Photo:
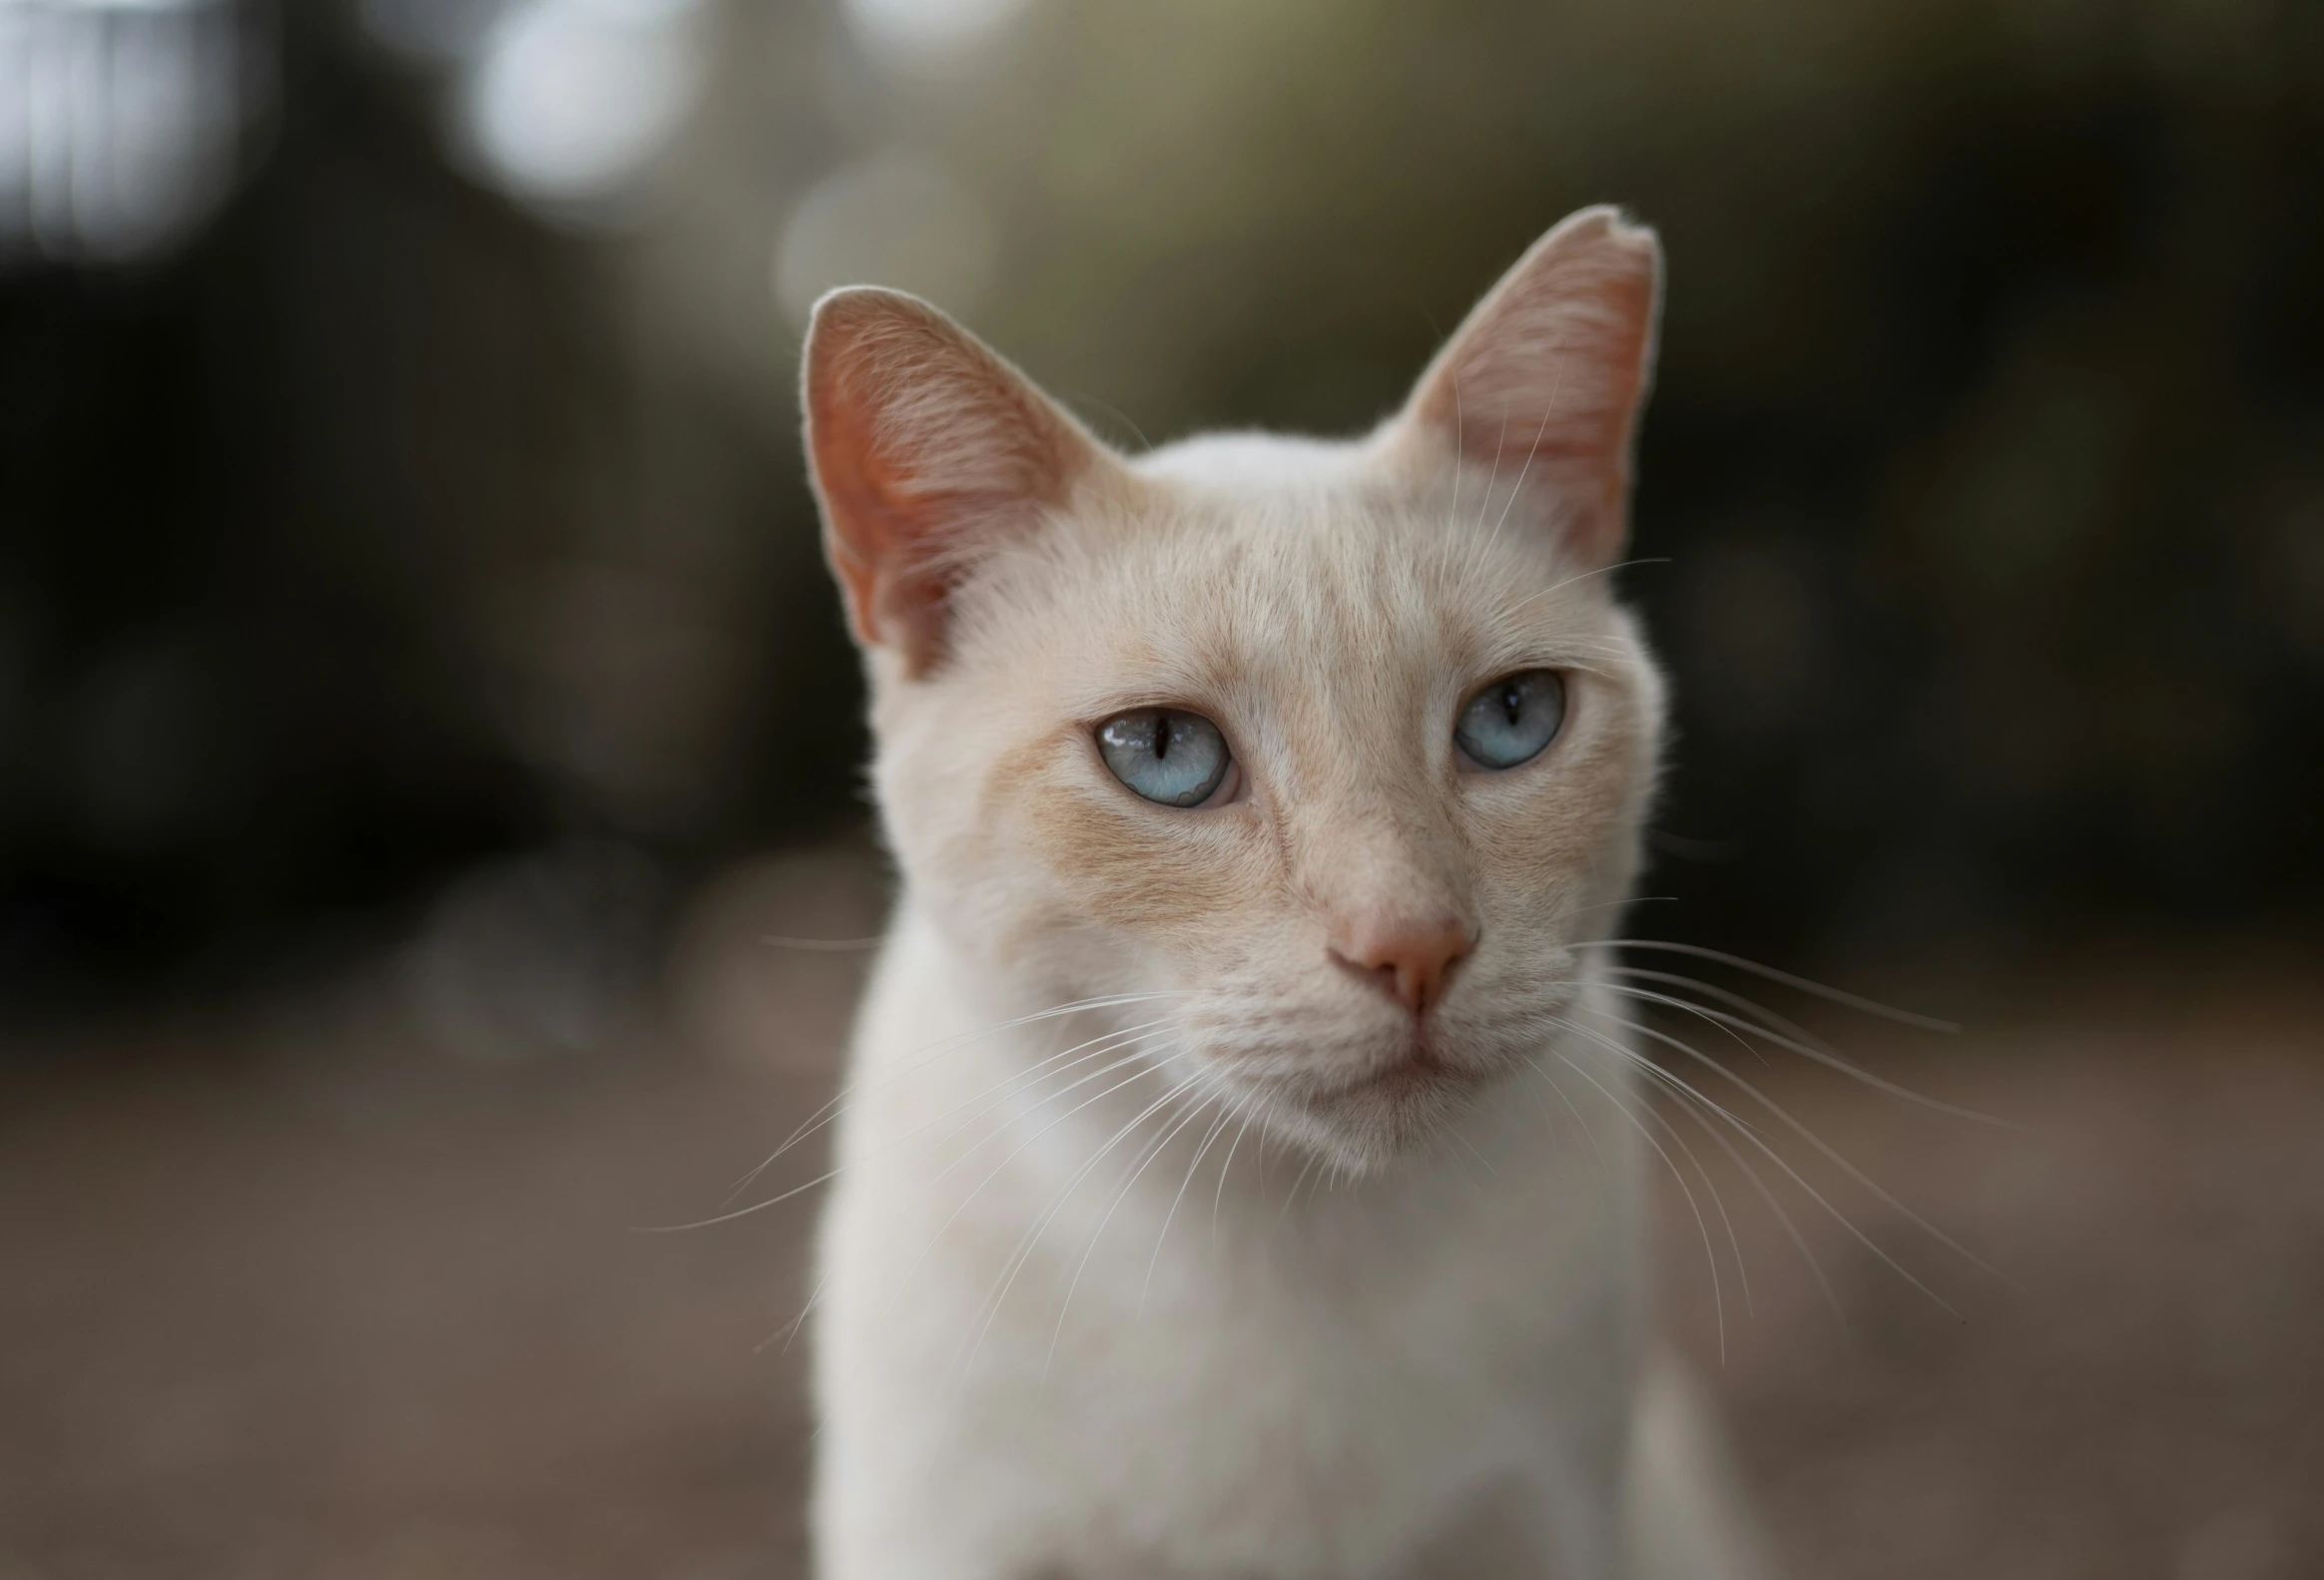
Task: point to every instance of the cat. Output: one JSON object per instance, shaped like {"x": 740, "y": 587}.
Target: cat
{"x": 1236, "y": 1176}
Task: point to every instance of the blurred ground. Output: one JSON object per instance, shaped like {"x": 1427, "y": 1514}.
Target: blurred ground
{"x": 314, "y": 1298}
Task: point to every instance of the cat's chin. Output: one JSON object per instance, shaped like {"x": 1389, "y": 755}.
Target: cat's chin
{"x": 1367, "y": 1123}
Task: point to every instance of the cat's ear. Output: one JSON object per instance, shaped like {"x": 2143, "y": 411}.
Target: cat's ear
{"x": 1543, "y": 381}
{"x": 927, "y": 451}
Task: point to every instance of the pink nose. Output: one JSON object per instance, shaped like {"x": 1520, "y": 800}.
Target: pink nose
{"x": 1407, "y": 956}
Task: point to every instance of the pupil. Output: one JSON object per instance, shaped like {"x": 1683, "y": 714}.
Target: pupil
{"x": 1513, "y": 701}
{"x": 1161, "y": 737}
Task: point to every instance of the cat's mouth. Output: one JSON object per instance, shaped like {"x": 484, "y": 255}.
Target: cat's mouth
{"x": 1417, "y": 1077}
{"x": 1404, "y": 1080}
{"x": 1365, "y": 1096}
{"x": 1387, "y": 1109}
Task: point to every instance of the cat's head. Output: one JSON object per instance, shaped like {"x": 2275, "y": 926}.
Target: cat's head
{"x": 1336, "y": 748}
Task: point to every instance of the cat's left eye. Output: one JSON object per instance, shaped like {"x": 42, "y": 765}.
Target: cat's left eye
{"x": 1167, "y": 755}
{"x": 1511, "y": 721}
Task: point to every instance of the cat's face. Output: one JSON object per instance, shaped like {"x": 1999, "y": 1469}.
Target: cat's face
{"x": 1336, "y": 748}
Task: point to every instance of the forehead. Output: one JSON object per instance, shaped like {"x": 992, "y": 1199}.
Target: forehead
{"x": 1326, "y": 589}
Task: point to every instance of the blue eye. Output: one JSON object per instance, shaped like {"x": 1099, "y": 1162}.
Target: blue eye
{"x": 1177, "y": 759}
{"x": 1510, "y": 721}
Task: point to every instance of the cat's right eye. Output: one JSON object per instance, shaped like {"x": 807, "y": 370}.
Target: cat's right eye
{"x": 1166, "y": 754}
{"x": 1513, "y": 719}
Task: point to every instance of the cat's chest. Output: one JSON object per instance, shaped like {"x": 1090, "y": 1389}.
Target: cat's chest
{"x": 1286, "y": 1439}
{"x": 1411, "y": 1369}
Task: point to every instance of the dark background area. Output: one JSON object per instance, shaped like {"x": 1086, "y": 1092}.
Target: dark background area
{"x": 378, "y": 525}
{"x": 420, "y": 687}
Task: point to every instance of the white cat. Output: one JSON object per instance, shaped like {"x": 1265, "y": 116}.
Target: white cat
{"x": 1237, "y": 1177}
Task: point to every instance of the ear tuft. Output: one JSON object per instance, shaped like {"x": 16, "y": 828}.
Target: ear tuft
{"x": 1544, "y": 379}
{"x": 926, "y": 452}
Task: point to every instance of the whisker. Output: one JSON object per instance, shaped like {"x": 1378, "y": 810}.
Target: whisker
{"x": 1022, "y": 1146}
{"x": 776, "y": 1200}
{"x": 1137, "y": 1172}
{"x": 1903, "y": 1017}
{"x": 817, "y": 1294}
{"x": 1049, "y": 1070}
{"x": 1117, "y": 1064}
{"x": 834, "y": 1173}
{"x": 782, "y": 941}
{"x": 1732, "y": 1035}
{"x": 1220, "y": 1194}
{"x": 1811, "y": 1048}
{"x": 789, "y": 1333}
{"x": 1482, "y": 1159}
{"x": 1718, "y": 1204}
{"x": 1695, "y": 1102}
{"x": 1589, "y": 1134}
{"x": 1114, "y": 1041}
{"x": 1468, "y": 1173}
{"x": 1499, "y": 446}
{"x": 1830, "y": 1153}
{"x": 832, "y": 1109}
{"x": 1019, "y": 1083}
{"x": 1297, "y": 1180}
{"x": 1718, "y": 1299}
{"x": 1838, "y": 1216}
{"x": 1549, "y": 409}
{"x": 1727, "y": 996}
{"x": 1225, "y": 1114}
{"x": 1734, "y": 1242}
{"x": 1030, "y": 1240}
{"x": 1750, "y": 1133}
{"x": 1113, "y": 410}
{"x": 1603, "y": 570}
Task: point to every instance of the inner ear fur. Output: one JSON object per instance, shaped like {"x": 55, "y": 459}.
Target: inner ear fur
{"x": 926, "y": 450}
{"x": 1544, "y": 379}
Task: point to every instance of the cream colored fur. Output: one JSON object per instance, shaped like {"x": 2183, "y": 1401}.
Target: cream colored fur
{"x": 1242, "y": 1268}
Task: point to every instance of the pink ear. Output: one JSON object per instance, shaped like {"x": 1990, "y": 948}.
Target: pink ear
{"x": 927, "y": 450}
{"x": 1545, "y": 378}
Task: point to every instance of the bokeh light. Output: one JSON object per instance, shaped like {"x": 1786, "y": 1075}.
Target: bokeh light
{"x": 568, "y": 101}
{"x": 121, "y": 122}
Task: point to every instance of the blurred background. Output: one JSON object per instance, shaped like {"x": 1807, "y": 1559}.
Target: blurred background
{"x": 420, "y": 697}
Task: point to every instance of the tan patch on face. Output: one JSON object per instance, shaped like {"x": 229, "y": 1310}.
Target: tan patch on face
{"x": 1165, "y": 873}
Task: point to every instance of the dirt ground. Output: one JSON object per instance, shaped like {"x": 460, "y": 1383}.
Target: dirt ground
{"x": 314, "y": 1298}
